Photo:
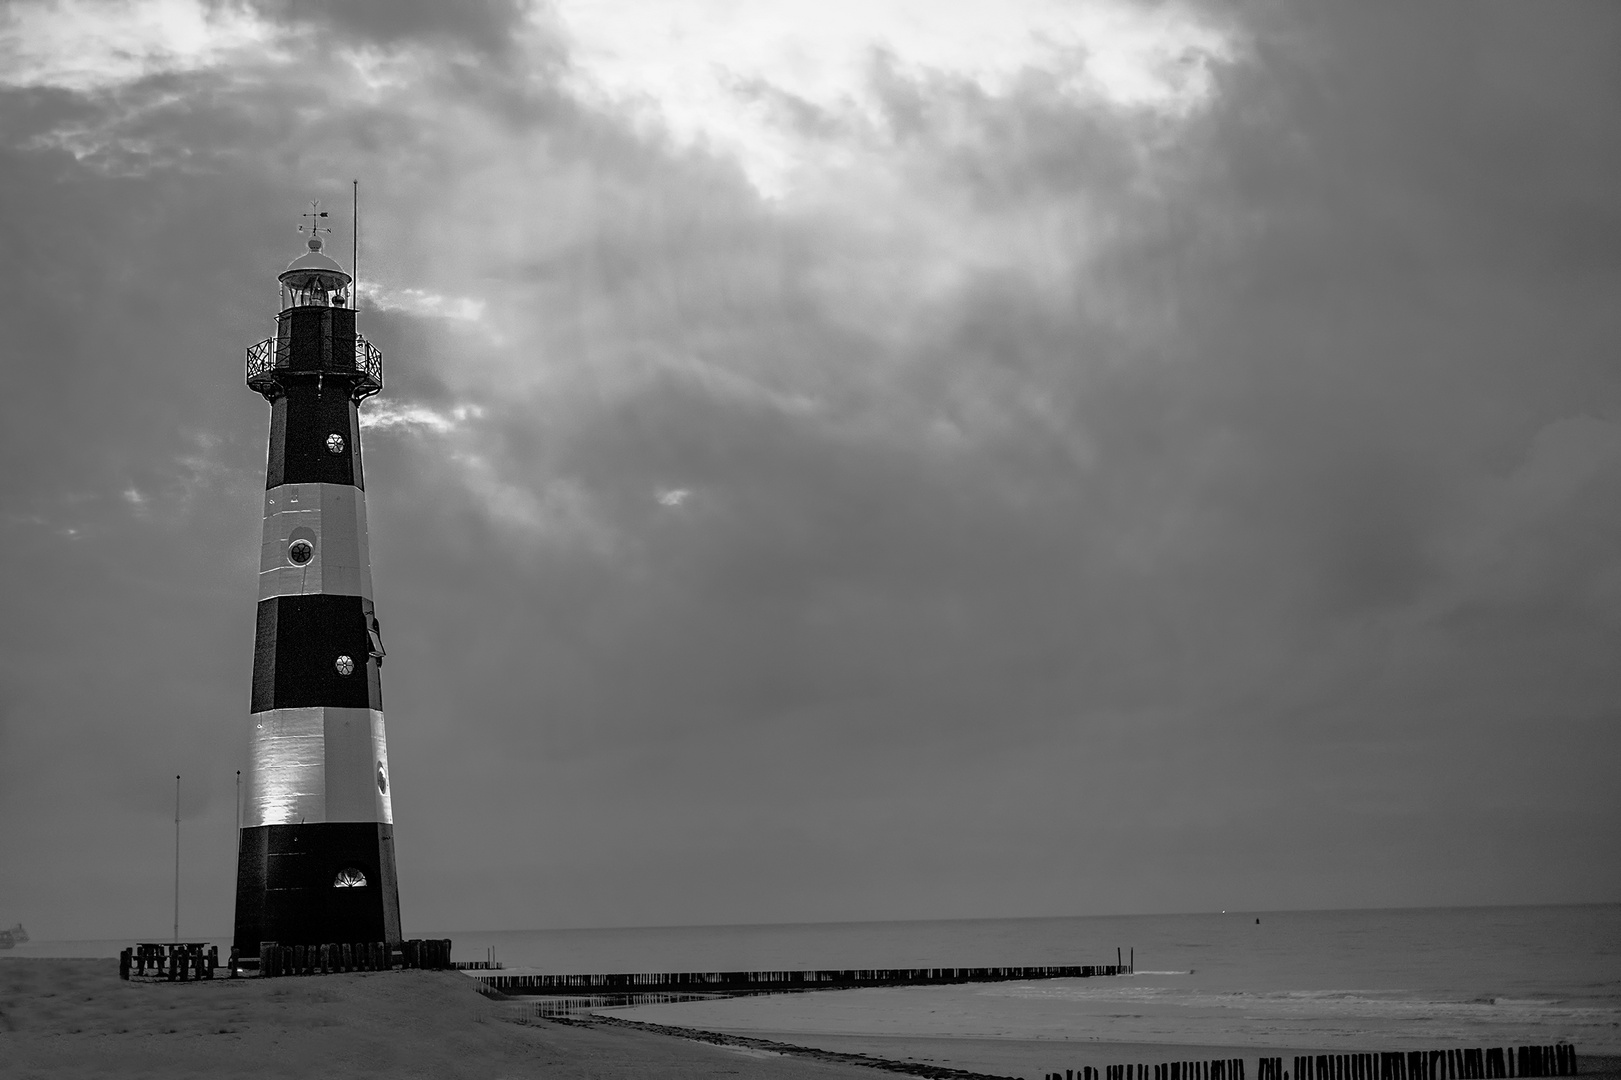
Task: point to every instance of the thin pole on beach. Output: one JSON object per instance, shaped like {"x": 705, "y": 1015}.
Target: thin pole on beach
{"x": 239, "y": 806}
{"x": 177, "y": 858}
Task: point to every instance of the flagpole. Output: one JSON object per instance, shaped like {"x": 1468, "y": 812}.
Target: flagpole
{"x": 177, "y": 858}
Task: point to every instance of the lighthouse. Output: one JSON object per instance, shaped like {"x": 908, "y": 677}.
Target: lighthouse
{"x": 315, "y": 857}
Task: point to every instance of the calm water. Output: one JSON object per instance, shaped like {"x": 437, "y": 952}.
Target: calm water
{"x": 1309, "y": 980}
{"x": 1351, "y": 980}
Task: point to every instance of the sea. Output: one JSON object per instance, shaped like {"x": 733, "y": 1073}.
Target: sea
{"x": 1206, "y": 985}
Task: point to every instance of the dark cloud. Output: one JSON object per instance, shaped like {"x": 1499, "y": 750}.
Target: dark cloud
{"x": 486, "y": 25}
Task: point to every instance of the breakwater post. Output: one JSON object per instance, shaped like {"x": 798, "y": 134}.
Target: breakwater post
{"x": 1489, "y": 1063}
{"x": 278, "y": 960}
{"x": 1455, "y": 1064}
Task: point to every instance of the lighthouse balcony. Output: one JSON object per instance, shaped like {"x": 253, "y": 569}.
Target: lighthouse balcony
{"x": 272, "y": 358}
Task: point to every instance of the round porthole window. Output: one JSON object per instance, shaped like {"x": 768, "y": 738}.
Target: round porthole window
{"x": 350, "y": 878}
{"x": 382, "y": 780}
{"x": 345, "y": 665}
{"x": 300, "y": 551}
{"x": 334, "y": 443}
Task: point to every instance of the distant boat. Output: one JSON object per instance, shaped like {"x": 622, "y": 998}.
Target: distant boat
{"x": 15, "y": 936}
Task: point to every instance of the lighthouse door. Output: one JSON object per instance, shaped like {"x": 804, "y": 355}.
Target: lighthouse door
{"x": 354, "y": 902}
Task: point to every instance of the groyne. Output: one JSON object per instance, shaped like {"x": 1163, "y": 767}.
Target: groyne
{"x": 1490, "y": 1063}
{"x": 742, "y": 982}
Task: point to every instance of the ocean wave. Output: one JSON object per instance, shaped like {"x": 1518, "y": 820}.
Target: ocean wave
{"x": 1321, "y": 1004}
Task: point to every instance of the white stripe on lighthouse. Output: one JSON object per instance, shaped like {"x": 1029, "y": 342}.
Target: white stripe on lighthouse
{"x": 307, "y": 766}
{"x": 333, "y": 517}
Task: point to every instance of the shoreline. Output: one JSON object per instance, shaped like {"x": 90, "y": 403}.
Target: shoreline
{"x": 982, "y": 1056}
{"x": 753, "y": 1042}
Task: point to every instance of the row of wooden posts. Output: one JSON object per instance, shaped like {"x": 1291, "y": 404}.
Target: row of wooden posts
{"x": 720, "y": 981}
{"x": 1480, "y": 1064}
{"x": 277, "y": 960}
{"x": 177, "y": 962}
{"x": 1221, "y": 1069}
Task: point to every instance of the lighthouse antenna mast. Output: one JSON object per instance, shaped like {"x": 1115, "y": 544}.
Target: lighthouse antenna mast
{"x": 354, "y": 246}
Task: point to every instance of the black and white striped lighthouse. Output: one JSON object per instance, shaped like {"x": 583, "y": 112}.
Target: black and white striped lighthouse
{"x": 315, "y": 861}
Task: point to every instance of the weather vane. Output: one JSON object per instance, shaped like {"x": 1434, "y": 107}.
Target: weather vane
{"x": 316, "y": 213}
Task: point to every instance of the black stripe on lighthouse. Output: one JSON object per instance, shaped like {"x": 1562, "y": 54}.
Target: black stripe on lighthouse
{"x": 301, "y": 650}
{"x": 312, "y": 409}
{"x": 284, "y": 884}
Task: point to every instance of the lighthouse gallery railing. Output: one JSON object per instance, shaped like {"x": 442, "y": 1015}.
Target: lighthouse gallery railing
{"x": 271, "y": 353}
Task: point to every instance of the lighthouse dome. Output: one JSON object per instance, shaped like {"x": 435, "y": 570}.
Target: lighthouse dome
{"x": 315, "y": 270}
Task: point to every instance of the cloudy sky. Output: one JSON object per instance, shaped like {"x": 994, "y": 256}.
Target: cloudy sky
{"x": 841, "y": 459}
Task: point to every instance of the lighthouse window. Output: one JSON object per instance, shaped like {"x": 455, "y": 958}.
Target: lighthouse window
{"x": 334, "y": 443}
{"x": 345, "y": 665}
{"x": 300, "y": 552}
{"x": 350, "y": 878}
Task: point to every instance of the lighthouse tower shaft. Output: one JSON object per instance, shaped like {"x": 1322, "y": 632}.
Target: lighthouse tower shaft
{"x": 315, "y": 862}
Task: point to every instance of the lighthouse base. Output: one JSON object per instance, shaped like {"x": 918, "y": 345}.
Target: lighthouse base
{"x": 314, "y": 884}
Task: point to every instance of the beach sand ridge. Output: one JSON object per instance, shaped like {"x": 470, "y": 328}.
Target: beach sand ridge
{"x": 65, "y": 1019}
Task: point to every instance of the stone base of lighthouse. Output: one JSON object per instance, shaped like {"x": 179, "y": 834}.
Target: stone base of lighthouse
{"x": 316, "y": 884}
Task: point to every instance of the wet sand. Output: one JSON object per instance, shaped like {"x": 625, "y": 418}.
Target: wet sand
{"x": 1020, "y": 1057}
{"x": 1034, "y": 1058}
{"x": 968, "y": 1056}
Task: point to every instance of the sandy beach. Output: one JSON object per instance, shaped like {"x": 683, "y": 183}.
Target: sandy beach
{"x": 71, "y": 1018}
{"x": 65, "y": 1018}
